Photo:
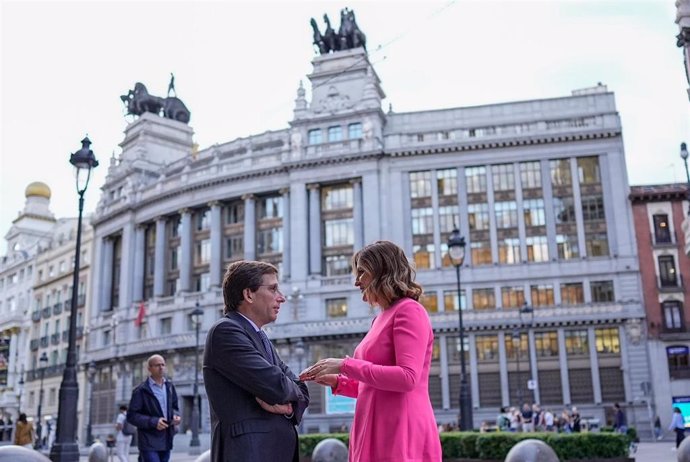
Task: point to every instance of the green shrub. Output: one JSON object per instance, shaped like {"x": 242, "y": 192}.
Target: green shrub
{"x": 308, "y": 442}
{"x": 631, "y": 433}
{"x": 458, "y": 445}
{"x": 473, "y": 445}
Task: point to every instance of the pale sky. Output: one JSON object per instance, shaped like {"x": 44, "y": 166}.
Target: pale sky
{"x": 237, "y": 67}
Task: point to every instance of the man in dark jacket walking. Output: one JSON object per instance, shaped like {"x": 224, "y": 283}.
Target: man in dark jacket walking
{"x": 153, "y": 409}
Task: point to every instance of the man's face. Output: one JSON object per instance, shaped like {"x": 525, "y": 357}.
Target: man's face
{"x": 157, "y": 368}
{"x": 262, "y": 306}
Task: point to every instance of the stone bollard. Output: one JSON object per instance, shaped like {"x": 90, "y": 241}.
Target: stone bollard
{"x": 20, "y": 454}
{"x": 329, "y": 450}
{"x": 98, "y": 452}
{"x": 204, "y": 457}
{"x": 684, "y": 450}
{"x": 531, "y": 451}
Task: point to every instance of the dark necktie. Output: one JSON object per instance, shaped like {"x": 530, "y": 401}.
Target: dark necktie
{"x": 267, "y": 343}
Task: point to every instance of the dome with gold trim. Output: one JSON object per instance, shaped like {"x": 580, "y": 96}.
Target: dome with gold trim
{"x": 37, "y": 188}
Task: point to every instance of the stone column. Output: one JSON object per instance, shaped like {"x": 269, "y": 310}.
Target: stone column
{"x": 594, "y": 365}
{"x": 159, "y": 264}
{"x": 503, "y": 369}
{"x": 186, "y": 236}
{"x": 139, "y": 262}
{"x": 474, "y": 373}
{"x": 533, "y": 371}
{"x": 357, "y": 213}
{"x": 216, "y": 269}
{"x": 563, "y": 364}
{"x": 314, "y": 229}
{"x": 249, "y": 226}
{"x": 299, "y": 226}
{"x": 107, "y": 275}
{"x": 445, "y": 381}
{"x": 126, "y": 265}
{"x": 285, "y": 193}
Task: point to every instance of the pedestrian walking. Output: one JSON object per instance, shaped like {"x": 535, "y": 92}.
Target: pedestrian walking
{"x": 24, "y": 434}
{"x": 620, "y": 423}
{"x": 677, "y": 425}
{"x": 657, "y": 428}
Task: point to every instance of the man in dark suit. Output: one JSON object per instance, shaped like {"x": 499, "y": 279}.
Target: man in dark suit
{"x": 255, "y": 399}
{"x": 153, "y": 409}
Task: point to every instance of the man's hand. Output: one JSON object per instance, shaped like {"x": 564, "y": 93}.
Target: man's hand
{"x": 176, "y": 420}
{"x": 162, "y": 424}
{"x": 282, "y": 409}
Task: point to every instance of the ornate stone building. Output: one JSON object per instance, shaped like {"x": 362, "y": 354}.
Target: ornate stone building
{"x": 658, "y": 212}
{"x": 537, "y": 187}
{"x": 29, "y": 235}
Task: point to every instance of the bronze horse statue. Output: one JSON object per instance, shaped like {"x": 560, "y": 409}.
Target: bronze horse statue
{"x": 139, "y": 101}
{"x": 348, "y": 36}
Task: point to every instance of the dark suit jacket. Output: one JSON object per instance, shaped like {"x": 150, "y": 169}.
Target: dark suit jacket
{"x": 236, "y": 370}
{"x": 144, "y": 411}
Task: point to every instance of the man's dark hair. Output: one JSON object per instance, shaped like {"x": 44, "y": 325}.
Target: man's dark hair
{"x": 242, "y": 275}
{"x": 123, "y": 407}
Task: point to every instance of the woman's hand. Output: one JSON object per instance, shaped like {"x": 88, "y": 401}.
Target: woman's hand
{"x": 282, "y": 409}
{"x": 323, "y": 367}
{"x": 328, "y": 380}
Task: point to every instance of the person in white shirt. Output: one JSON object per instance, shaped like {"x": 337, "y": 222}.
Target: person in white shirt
{"x": 548, "y": 420}
{"x": 122, "y": 441}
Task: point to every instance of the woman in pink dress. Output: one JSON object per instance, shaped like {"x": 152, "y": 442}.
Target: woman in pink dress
{"x": 389, "y": 373}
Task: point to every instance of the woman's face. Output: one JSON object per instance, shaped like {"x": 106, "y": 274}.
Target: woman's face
{"x": 362, "y": 282}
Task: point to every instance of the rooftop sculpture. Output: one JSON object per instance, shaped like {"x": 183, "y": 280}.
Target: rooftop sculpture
{"x": 139, "y": 101}
{"x": 348, "y": 36}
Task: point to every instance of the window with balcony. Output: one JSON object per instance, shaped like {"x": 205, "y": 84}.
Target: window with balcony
{"x": 429, "y": 300}
{"x": 335, "y": 133}
{"x": 576, "y": 342}
{"x": 166, "y": 326}
{"x": 450, "y": 300}
{"x": 607, "y": 340}
{"x": 483, "y": 299}
{"x": 662, "y": 231}
{"x": 503, "y": 177}
{"x": 336, "y": 307}
{"x": 354, "y": 131}
{"x": 542, "y": 295}
{"x": 667, "y": 271}
{"x": 572, "y": 294}
{"x": 602, "y": 291}
{"x": 530, "y": 175}
{"x": 314, "y": 136}
{"x": 512, "y": 297}
{"x": 476, "y": 179}
{"x": 672, "y": 311}
{"x": 487, "y": 347}
{"x": 678, "y": 361}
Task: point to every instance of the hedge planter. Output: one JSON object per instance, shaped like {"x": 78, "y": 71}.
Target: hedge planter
{"x": 487, "y": 447}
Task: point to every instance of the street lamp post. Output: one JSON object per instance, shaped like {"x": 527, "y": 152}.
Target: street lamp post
{"x": 684, "y": 156}
{"x": 39, "y": 427}
{"x": 197, "y": 316}
{"x": 456, "y": 252}
{"x": 517, "y": 343}
{"x": 91, "y": 372}
{"x": 65, "y": 448}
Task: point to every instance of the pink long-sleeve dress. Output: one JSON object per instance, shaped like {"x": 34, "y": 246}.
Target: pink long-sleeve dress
{"x": 389, "y": 375}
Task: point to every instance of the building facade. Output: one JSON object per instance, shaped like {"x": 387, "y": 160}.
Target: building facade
{"x": 50, "y": 318}
{"x": 29, "y": 235}
{"x": 658, "y": 213}
{"x": 538, "y": 188}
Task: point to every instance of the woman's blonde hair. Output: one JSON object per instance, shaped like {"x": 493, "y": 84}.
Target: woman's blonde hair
{"x": 392, "y": 276}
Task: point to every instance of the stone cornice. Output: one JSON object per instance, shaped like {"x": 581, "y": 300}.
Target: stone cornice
{"x": 502, "y": 143}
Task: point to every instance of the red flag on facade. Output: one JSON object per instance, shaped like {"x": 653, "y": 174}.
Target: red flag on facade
{"x": 140, "y": 315}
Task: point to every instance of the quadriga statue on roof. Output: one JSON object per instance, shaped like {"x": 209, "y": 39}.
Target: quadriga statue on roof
{"x": 348, "y": 36}
{"x": 139, "y": 100}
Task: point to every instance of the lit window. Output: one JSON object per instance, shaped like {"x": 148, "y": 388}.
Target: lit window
{"x": 336, "y": 307}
